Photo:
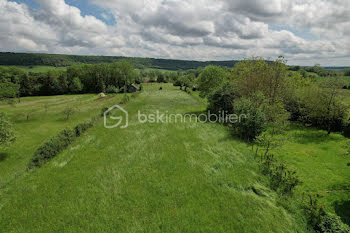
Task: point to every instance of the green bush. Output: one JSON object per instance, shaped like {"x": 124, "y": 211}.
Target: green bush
{"x": 81, "y": 128}
{"x": 52, "y": 147}
{"x": 221, "y": 100}
{"x": 282, "y": 179}
{"x": 7, "y": 135}
{"x": 253, "y": 120}
{"x": 103, "y": 110}
{"x": 57, "y": 144}
{"x": 320, "y": 220}
{"x": 177, "y": 83}
{"x": 112, "y": 90}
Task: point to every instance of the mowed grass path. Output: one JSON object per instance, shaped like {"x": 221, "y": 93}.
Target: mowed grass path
{"x": 175, "y": 177}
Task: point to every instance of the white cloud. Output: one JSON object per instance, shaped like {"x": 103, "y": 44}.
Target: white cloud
{"x": 184, "y": 29}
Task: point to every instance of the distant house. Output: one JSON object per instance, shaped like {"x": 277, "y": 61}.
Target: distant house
{"x": 132, "y": 88}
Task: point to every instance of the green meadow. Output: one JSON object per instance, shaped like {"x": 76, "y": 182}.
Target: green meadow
{"x": 37, "y": 69}
{"x": 159, "y": 177}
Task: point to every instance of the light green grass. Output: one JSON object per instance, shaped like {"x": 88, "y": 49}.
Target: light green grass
{"x": 39, "y": 69}
{"x": 42, "y": 125}
{"x": 321, "y": 163}
{"x": 175, "y": 177}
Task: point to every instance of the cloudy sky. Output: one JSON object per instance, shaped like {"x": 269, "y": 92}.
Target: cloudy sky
{"x": 306, "y": 32}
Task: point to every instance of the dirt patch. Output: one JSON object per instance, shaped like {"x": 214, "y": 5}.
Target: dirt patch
{"x": 104, "y": 98}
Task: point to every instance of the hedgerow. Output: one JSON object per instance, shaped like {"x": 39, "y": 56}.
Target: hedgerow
{"x": 56, "y": 144}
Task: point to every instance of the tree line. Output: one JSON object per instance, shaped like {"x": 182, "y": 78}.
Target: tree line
{"x": 271, "y": 94}
{"x": 76, "y": 79}
{"x": 60, "y": 60}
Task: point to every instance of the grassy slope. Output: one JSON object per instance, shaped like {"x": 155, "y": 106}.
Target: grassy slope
{"x": 321, "y": 162}
{"x": 186, "y": 177}
{"x": 41, "y": 126}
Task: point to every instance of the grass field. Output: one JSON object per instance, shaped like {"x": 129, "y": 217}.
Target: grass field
{"x": 38, "y": 69}
{"x": 158, "y": 177}
{"x": 172, "y": 177}
{"x": 321, "y": 162}
{"x": 45, "y": 120}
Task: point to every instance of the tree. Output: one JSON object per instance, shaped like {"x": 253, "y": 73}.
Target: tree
{"x": 161, "y": 78}
{"x": 112, "y": 90}
{"x": 222, "y": 99}
{"x": 252, "y": 120}
{"x": 256, "y": 75}
{"x": 28, "y": 114}
{"x": 8, "y": 91}
{"x": 75, "y": 86}
{"x": 126, "y": 71}
{"x": 210, "y": 79}
{"x": 323, "y": 106}
{"x": 68, "y": 111}
{"x": 26, "y": 85}
{"x": 7, "y": 135}
{"x": 62, "y": 83}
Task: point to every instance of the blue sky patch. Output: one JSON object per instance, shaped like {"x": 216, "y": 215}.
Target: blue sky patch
{"x": 86, "y": 8}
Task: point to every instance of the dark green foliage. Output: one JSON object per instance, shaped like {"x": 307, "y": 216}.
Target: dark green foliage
{"x": 112, "y": 90}
{"x": 77, "y": 79}
{"x": 28, "y": 59}
{"x": 253, "y": 120}
{"x": 282, "y": 179}
{"x": 222, "y": 100}
{"x": 320, "y": 71}
{"x": 8, "y": 90}
{"x": 346, "y": 129}
{"x": 103, "y": 110}
{"x": 347, "y": 72}
{"x": 52, "y": 147}
{"x": 7, "y": 135}
{"x": 81, "y": 128}
{"x": 76, "y": 86}
{"x": 161, "y": 79}
{"x": 58, "y": 143}
{"x": 322, "y": 221}
{"x": 177, "y": 83}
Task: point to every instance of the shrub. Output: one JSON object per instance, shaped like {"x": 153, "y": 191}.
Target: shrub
{"x": 177, "y": 83}
{"x": 282, "y": 179}
{"x": 52, "y": 147}
{"x": 76, "y": 86}
{"x": 68, "y": 111}
{"x": 210, "y": 78}
{"x": 221, "y": 100}
{"x": 320, "y": 220}
{"x": 81, "y": 128}
{"x": 254, "y": 122}
{"x": 7, "y": 135}
{"x": 103, "y": 110}
{"x": 112, "y": 90}
{"x": 55, "y": 145}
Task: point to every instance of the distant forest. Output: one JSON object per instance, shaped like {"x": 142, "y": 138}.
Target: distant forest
{"x": 30, "y": 59}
